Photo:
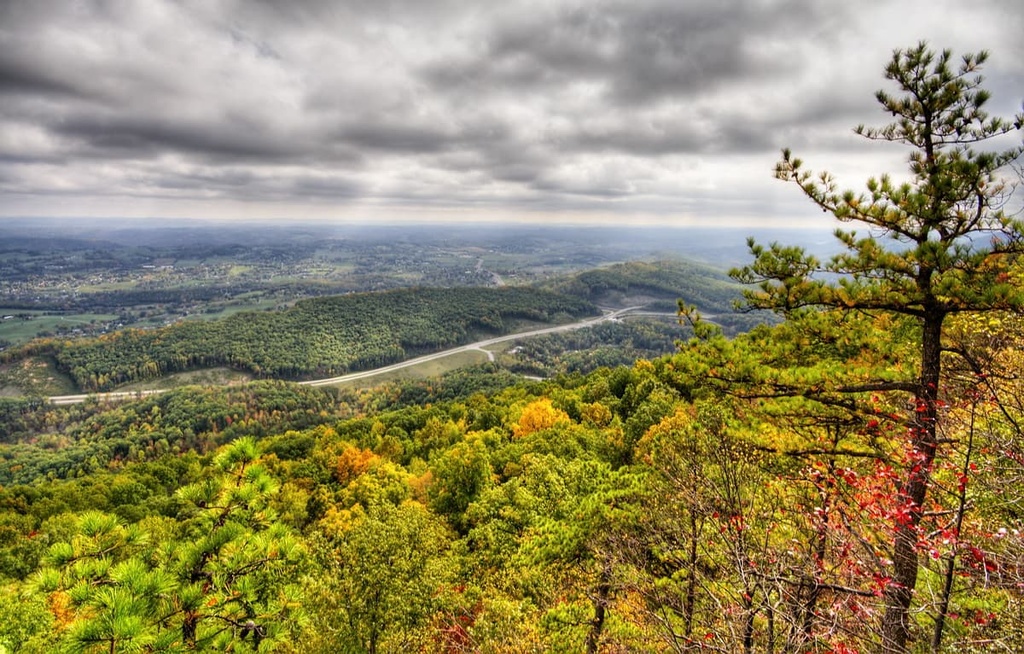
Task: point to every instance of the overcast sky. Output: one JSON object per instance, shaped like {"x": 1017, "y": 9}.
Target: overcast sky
{"x": 393, "y": 110}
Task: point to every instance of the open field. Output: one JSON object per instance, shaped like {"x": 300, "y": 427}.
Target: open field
{"x": 207, "y": 377}
{"x": 112, "y": 286}
{"x": 26, "y": 325}
{"x": 434, "y": 368}
{"x": 217, "y": 310}
{"x": 33, "y": 376}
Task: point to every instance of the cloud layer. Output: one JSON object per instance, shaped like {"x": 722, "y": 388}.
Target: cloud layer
{"x": 378, "y": 109}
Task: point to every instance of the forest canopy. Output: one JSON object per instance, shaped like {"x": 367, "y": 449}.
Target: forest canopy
{"x": 318, "y": 337}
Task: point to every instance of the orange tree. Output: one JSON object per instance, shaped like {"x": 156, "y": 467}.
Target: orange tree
{"x": 939, "y": 244}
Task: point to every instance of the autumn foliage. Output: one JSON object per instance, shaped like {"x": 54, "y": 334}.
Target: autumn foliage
{"x": 846, "y": 480}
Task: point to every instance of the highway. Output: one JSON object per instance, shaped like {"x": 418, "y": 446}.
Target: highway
{"x": 117, "y": 395}
{"x": 479, "y": 345}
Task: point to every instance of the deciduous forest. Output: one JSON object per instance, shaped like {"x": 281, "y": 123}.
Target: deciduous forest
{"x": 317, "y": 337}
{"x": 847, "y": 478}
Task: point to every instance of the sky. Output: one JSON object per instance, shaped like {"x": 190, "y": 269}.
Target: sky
{"x": 628, "y": 112}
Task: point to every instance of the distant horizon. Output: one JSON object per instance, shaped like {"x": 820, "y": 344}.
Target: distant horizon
{"x": 824, "y": 224}
{"x": 723, "y": 245}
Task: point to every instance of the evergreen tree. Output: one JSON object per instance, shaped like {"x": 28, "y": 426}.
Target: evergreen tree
{"x": 224, "y": 583}
{"x": 937, "y": 245}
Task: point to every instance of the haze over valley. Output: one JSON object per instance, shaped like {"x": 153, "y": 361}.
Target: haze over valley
{"x": 105, "y": 277}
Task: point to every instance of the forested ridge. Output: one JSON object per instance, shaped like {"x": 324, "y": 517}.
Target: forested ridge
{"x": 848, "y": 479}
{"x": 707, "y": 287}
{"x": 318, "y": 337}
{"x": 660, "y": 285}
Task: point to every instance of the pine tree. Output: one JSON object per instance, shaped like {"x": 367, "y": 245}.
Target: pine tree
{"x": 938, "y": 244}
{"x": 224, "y": 583}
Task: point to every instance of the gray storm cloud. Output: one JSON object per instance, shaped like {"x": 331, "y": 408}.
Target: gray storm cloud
{"x": 320, "y": 108}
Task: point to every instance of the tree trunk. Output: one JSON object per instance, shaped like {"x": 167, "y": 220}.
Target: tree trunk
{"x": 961, "y": 509}
{"x": 691, "y": 583}
{"x": 604, "y": 591}
{"x": 189, "y": 627}
{"x": 748, "y": 620}
{"x": 923, "y": 441}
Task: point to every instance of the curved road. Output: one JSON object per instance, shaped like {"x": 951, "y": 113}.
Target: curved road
{"x": 479, "y": 345}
